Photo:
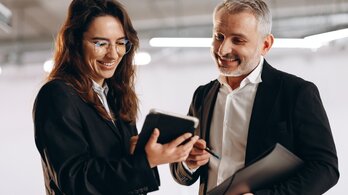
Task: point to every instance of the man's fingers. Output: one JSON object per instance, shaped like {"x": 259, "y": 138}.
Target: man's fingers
{"x": 201, "y": 144}
{"x": 197, "y": 151}
{"x": 198, "y": 157}
{"x": 195, "y": 164}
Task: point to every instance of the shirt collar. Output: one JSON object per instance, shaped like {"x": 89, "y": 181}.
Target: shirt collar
{"x": 254, "y": 77}
{"x": 100, "y": 89}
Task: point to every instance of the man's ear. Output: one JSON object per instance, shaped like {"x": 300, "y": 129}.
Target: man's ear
{"x": 267, "y": 44}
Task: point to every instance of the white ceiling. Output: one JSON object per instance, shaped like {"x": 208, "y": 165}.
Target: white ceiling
{"x": 36, "y": 22}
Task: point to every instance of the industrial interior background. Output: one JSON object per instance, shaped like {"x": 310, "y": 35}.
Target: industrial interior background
{"x": 28, "y": 29}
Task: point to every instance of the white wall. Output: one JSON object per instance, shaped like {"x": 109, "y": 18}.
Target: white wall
{"x": 167, "y": 83}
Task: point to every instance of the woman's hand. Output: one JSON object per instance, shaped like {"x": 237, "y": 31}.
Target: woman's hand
{"x": 171, "y": 152}
{"x": 133, "y": 142}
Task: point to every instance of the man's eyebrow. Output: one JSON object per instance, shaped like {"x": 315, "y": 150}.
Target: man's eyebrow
{"x": 216, "y": 30}
{"x": 239, "y": 35}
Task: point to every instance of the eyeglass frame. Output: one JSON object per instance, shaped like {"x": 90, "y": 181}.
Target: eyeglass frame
{"x": 98, "y": 45}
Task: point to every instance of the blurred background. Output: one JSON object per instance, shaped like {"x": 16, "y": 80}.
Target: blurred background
{"x": 311, "y": 43}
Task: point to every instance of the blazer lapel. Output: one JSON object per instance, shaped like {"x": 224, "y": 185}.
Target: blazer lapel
{"x": 112, "y": 125}
{"x": 263, "y": 104}
{"x": 207, "y": 110}
{"x": 113, "y": 108}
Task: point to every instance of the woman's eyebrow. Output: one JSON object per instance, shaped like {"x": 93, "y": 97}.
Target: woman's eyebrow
{"x": 106, "y": 39}
{"x": 100, "y": 38}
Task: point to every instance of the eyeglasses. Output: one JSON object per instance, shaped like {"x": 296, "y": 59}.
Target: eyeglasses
{"x": 101, "y": 47}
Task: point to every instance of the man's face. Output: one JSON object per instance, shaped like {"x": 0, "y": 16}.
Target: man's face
{"x": 237, "y": 43}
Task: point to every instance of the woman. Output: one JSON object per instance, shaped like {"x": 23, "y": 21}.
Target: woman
{"x": 85, "y": 114}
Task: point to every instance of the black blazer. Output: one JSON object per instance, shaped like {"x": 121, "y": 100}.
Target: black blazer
{"x": 81, "y": 152}
{"x": 288, "y": 110}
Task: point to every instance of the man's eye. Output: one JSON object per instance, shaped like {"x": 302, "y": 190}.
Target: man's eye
{"x": 101, "y": 43}
{"x": 219, "y": 37}
{"x": 238, "y": 41}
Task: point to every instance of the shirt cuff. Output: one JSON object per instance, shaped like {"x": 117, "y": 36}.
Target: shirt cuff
{"x": 188, "y": 169}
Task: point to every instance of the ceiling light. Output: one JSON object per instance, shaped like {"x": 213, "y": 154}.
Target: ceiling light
{"x": 309, "y": 42}
{"x": 328, "y": 36}
{"x": 180, "y": 42}
{"x": 5, "y": 18}
{"x": 206, "y": 42}
{"x": 142, "y": 58}
{"x": 0, "y": 70}
{"x": 296, "y": 43}
{"x": 48, "y": 66}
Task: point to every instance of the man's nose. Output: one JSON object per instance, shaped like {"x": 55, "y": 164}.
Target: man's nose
{"x": 225, "y": 48}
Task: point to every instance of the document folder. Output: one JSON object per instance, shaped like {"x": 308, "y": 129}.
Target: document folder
{"x": 274, "y": 165}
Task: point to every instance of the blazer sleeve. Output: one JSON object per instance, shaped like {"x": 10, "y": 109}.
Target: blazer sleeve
{"x": 64, "y": 148}
{"x": 178, "y": 171}
{"x": 314, "y": 143}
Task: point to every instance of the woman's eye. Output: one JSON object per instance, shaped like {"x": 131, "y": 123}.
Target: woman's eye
{"x": 101, "y": 43}
{"x": 122, "y": 42}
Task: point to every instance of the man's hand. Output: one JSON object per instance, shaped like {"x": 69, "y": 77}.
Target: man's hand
{"x": 198, "y": 156}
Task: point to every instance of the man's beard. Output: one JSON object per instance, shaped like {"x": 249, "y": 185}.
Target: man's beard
{"x": 233, "y": 73}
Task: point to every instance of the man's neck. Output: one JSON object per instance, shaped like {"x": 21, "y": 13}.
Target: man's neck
{"x": 234, "y": 82}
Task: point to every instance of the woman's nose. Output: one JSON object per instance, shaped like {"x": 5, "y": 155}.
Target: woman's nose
{"x": 113, "y": 52}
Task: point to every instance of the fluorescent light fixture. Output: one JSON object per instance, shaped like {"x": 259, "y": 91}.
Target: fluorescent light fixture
{"x": 309, "y": 42}
{"x": 142, "y": 58}
{"x": 0, "y": 70}
{"x": 296, "y": 43}
{"x": 328, "y": 36}
{"x": 206, "y": 42}
{"x": 48, "y": 66}
{"x": 5, "y": 18}
{"x": 180, "y": 42}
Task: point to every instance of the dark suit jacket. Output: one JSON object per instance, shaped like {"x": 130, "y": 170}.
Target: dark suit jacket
{"x": 81, "y": 152}
{"x": 288, "y": 110}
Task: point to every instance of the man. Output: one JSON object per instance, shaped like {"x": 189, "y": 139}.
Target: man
{"x": 252, "y": 106}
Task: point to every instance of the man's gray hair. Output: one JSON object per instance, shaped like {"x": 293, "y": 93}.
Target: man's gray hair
{"x": 256, "y": 7}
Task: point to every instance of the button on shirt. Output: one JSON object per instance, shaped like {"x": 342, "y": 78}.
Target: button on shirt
{"x": 230, "y": 125}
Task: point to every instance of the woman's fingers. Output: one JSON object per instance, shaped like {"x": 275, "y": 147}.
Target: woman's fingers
{"x": 133, "y": 142}
{"x": 154, "y": 137}
{"x": 176, "y": 142}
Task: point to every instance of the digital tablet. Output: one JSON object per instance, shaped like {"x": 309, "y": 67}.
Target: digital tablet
{"x": 171, "y": 125}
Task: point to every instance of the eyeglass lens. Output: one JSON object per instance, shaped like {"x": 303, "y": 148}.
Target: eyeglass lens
{"x": 122, "y": 46}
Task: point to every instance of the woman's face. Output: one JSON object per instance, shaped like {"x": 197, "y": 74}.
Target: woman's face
{"x": 103, "y": 46}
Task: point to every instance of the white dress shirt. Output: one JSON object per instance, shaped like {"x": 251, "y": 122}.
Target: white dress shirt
{"x": 102, "y": 93}
{"x": 230, "y": 125}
